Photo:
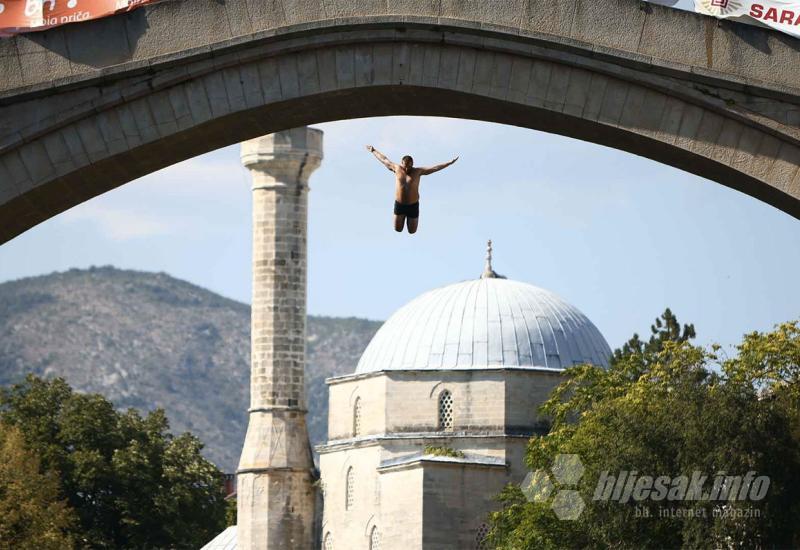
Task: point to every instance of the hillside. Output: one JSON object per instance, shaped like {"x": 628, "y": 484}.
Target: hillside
{"x": 149, "y": 340}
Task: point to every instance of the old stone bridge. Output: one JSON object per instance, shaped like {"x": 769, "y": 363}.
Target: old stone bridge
{"x": 85, "y": 108}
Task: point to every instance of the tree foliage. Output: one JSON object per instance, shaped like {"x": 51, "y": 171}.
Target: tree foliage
{"x": 131, "y": 483}
{"x": 670, "y": 408}
{"x": 32, "y": 512}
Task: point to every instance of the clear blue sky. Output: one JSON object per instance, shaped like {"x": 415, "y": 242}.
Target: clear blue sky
{"x": 618, "y": 236}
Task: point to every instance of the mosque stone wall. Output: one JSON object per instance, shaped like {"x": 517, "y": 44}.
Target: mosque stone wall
{"x": 347, "y": 525}
{"x": 457, "y": 500}
{"x": 413, "y": 399}
{"x": 524, "y": 394}
{"x": 401, "y": 512}
{"x": 341, "y": 402}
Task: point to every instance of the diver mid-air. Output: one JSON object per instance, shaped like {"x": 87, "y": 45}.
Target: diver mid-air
{"x": 406, "y": 195}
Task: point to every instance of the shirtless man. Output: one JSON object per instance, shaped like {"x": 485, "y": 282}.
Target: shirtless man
{"x": 406, "y": 194}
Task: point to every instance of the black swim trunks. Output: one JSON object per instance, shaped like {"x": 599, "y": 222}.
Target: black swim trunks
{"x": 407, "y": 210}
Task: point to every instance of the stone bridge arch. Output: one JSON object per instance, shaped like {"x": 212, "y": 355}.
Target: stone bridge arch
{"x": 95, "y": 128}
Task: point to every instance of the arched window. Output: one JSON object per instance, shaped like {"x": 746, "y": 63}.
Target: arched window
{"x": 328, "y": 541}
{"x": 349, "y": 497}
{"x": 374, "y": 539}
{"x": 480, "y": 537}
{"x": 446, "y": 410}
{"x": 357, "y": 417}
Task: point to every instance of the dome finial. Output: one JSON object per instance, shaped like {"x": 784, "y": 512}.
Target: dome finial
{"x": 488, "y": 272}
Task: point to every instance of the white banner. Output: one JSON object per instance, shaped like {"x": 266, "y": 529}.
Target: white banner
{"x": 781, "y": 15}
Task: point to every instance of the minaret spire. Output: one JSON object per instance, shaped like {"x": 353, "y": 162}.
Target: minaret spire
{"x": 488, "y": 272}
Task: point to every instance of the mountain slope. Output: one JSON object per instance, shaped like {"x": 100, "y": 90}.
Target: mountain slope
{"x": 149, "y": 340}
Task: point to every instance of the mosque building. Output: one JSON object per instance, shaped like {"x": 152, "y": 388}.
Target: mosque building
{"x": 435, "y": 419}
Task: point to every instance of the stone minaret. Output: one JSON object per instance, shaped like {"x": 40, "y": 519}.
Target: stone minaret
{"x": 275, "y": 492}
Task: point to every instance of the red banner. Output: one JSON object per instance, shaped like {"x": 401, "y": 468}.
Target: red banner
{"x": 17, "y": 16}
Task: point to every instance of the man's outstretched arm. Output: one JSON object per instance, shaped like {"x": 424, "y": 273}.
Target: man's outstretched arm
{"x": 432, "y": 169}
{"x": 381, "y": 157}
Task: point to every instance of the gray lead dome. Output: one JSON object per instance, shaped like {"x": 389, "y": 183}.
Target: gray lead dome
{"x": 487, "y": 323}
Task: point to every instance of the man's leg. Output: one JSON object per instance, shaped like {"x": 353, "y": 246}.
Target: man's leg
{"x": 412, "y": 225}
{"x": 399, "y": 221}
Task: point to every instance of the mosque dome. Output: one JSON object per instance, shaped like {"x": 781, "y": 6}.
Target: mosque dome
{"x": 491, "y": 322}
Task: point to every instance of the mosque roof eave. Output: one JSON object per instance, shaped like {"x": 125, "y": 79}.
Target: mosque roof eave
{"x": 493, "y": 368}
{"x": 421, "y": 460}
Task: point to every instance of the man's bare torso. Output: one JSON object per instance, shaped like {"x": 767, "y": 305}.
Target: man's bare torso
{"x": 406, "y": 188}
{"x": 407, "y": 185}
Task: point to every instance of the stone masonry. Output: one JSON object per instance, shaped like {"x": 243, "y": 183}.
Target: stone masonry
{"x": 87, "y": 107}
{"x": 276, "y": 471}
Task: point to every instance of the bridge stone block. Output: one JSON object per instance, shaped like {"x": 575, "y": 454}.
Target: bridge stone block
{"x": 217, "y": 94}
{"x": 690, "y": 123}
{"x": 15, "y": 168}
{"x": 614, "y": 99}
{"x": 302, "y": 11}
{"x": 198, "y": 101}
{"x": 508, "y": 13}
{"x": 751, "y": 54}
{"x": 501, "y": 75}
{"x": 180, "y": 107}
{"x": 707, "y": 134}
{"x": 307, "y": 74}
{"x": 449, "y": 63}
{"x": 10, "y": 61}
{"x": 482, "y": 76}
{"x": 416, "y": 65}
{"x": 75, "y": 146}
{"x": 232, "y": 79}
{"x": 238, "y": 15}
{"x": 412, "y": 7}
{"x": 786, "y": 167}
{"x": 557, "y": 86}
{"x": 326, "y": 64}
{"x": 577, "y": 93}
{"x": 765, "y": 156}
{"x": 382, "y": 63}
{"x": 110, "y": 129}
{"x": 431, "y": 65}
{"x": 266, "y": 14}
{"x": 671, "y": 120}
{"x": 519, "y": 79}
{"x": 287, "y": 72}
{"x": 597, "y": 91}
{"x": 130, "y": 129}
{"x": 540, "y": 81}
{"x": 270, "y": 80}
{"x": 92, "y": 140}
{"x": 345, "y": 68}
{"x": 600, "y": 23}
{"x": 746, "y": 147}
{"x": 636, "y": 104}
{"x": 363, "y": 64}
{"x": 356, "y": 9}
{"x": 689, "y": 37}
{"x": 545, "y": 16}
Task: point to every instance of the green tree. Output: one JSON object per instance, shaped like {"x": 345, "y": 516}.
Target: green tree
{"x": 131, "y": 483}
{"x": 672, "y": 409}
{"x": 32, "y": 512}
{"x": 665, "y": 329}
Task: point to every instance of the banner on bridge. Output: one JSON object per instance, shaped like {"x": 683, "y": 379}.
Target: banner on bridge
{"x": 781, "y": 15}
{"x": 18, "y": 16}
